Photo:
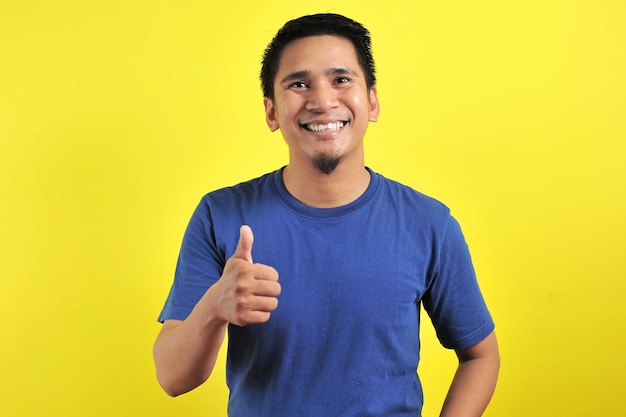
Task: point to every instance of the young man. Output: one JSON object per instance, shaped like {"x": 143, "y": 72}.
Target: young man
{"x": 356, "y": 253}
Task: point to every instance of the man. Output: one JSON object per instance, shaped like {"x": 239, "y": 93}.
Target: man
{"x": 356, "y": 253}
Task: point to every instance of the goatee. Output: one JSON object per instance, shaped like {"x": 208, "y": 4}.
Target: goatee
{"x": 326, "y": 164}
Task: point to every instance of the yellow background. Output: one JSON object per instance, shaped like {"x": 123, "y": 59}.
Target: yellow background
{"x": 116, "y": 116}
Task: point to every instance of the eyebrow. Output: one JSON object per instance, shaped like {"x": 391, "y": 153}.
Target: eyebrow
{"x": 296, "y": 75}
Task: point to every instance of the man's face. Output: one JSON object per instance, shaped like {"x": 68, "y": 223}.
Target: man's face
{"x": 321, "y": 102}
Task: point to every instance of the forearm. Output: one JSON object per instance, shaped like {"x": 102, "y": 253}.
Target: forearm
{"x": 185, "y": 352}
{"x": 474, "y": 382}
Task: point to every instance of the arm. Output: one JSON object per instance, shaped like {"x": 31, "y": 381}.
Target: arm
{"x": 474, "y": 381}
{"x": 185, "y": 351}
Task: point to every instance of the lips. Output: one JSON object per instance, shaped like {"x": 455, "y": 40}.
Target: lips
{"x": 324, "y": 127}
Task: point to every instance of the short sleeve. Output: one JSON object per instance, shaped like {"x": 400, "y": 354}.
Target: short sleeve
{"x": 200, "y": 265}
{"x": 453, "y": 300}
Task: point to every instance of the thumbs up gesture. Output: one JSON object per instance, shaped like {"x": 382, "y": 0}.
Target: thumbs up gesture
{"x": 247, "y": 291}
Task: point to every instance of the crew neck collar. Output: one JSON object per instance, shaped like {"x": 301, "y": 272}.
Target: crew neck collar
{"x": 330, "y": 212}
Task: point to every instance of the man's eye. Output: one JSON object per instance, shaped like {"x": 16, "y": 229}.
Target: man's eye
{"x": 298, "y": 84}
{"x": 342, "y": 80}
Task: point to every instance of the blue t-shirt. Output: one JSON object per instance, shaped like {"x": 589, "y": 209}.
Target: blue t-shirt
{"x": 344, "y": 340}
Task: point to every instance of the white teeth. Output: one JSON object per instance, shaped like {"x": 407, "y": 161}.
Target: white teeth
{"x": 330, "y": 127}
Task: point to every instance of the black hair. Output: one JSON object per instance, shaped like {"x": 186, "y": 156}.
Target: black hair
{"x": 316, "y": 25}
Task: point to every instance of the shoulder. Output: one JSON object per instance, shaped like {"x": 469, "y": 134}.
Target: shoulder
{"x": 241, "y": 194}
{"x": 248, "y": 187}
{"x": 406, "y": 198}
{"x": 232, "y": 201}
{"x": 222, "y": 212}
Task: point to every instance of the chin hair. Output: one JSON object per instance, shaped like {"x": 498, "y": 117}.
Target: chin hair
{"x": 326, "y": 164}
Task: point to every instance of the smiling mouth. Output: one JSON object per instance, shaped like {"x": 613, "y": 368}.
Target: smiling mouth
{"x": 324, "y": 127}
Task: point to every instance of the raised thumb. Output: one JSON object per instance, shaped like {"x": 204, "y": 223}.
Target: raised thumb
{"x": 244, "y": 247}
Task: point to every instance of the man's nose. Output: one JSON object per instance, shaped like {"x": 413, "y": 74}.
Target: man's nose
{"x": 322, "y": 97}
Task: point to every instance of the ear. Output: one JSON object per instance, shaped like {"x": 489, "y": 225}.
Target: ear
{"x": 270, "y": 114}
{"x": 374, "y": 107}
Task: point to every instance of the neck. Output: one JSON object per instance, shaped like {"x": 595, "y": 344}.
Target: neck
{"x": 316, "y": 189}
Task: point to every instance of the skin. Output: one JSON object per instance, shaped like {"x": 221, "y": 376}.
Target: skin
{"x": 322, "y": 107}
{"x": 185, "y": 351}
{"x": 320, "y": 81}
{"x": 474, "y": 381}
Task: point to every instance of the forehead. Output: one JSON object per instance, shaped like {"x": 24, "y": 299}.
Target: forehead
{"x": 318, "y": 52}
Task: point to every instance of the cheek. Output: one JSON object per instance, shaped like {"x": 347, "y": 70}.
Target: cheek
{"x": 285, "y": 112}
{"x": 359, "y": 103}
{"x": 288, "y": 110}
{"x": 290, "y": 102}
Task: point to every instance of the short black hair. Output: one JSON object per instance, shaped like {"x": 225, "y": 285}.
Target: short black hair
{"x": 317, "y": 25}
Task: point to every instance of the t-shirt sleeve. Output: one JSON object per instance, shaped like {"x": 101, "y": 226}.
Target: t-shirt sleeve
{"x": 200, "y": 265}
{"x": 453, "y": 299}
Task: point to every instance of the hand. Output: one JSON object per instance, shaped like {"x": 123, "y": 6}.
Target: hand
{"x": 247, "y": 291}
